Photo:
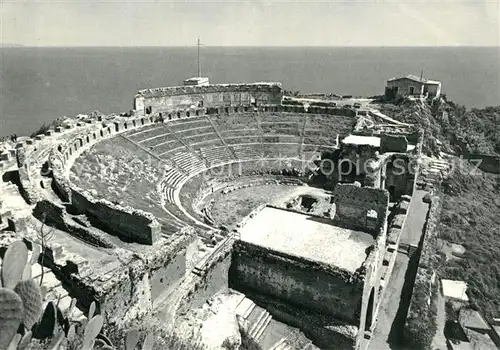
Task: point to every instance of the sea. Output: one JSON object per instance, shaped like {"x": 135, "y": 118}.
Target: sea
{"x": 38, "y": 85}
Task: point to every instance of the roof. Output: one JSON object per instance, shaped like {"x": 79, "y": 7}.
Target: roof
{"x": 469, "y": 318}
{"x": 362, "y": 140}
{"x": 416, "y": 79}
{"x": 455, "y": 289}
{"x": 432, "y": 82}
{"x": 311, "y": 238}
{"x": 410, "y": 77}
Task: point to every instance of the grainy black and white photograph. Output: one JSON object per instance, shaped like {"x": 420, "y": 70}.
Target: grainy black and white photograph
{"x": 254, "y": 175}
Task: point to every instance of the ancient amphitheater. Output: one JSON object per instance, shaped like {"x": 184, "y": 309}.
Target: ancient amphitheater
{"x": 284, "y": 218}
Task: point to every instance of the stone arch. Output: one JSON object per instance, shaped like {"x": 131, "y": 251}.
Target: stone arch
{"x": 369, "y": 310}
{"x": 169, "y": 116}
{"x": 179, "y": 115}
{"x": 187, "y": 114}
{"x": 197, "y": 112}
{"x": 95, "y": 136}
{"x": 88, "y": 139}
{"x": 125, "y": 125}
{"x": 59, "y": 148}
{"x": 102, "y": 133}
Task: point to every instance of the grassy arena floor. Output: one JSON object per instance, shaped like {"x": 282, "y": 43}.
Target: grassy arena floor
{"x": 118, "y": 171}
{"x": 229, "y": 209}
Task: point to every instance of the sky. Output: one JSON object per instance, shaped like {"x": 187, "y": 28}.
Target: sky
{"x": 250, "y": 23}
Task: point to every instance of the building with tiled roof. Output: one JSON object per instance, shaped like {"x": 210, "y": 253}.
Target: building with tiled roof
{"x": 412, "y": 85}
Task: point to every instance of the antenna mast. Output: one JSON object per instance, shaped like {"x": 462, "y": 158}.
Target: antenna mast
{"x": 199, "y": 66}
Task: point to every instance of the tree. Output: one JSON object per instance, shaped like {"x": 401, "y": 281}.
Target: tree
{"x": 44, "y": 237}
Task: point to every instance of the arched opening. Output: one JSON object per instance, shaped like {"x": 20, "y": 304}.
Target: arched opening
{"x": 59, "y": 148}
{"x": 102, "y": 134}
{"x": 142, "y": 121}
{"x": 235, "y": 109}
{"x": 179, "y": 115}
{"x": 187, "y": 114}
{"x": 226, "y": 110}
{"x": 149, "y": 109}
{"x": 133, "y": 122}
{"x": 94, "y": 135}
{"x": 369, "y": 311}
{"x": 125, "y": 125}
{"x": 170, "y": 117}
{"x": 197, "y": 112}
{"x": 109, "y": 130}
{"x": 88, "y": 139}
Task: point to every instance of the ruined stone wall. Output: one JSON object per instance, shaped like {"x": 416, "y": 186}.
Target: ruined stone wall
{"x": 423, "y": 303}
{"x": 352, "y": 204}
{"x": 153, "y": 101}
{"x": 165, "y": 279}
{"x": 129, "y": 223}
{"x": 316, "y": 287}
{"x": 399, "y": 175}
{"x": 390, "y": 143}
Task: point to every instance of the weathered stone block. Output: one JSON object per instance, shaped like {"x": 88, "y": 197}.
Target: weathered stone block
{"x": 390, "y": 143}
{"x": 398, "y": 221}
{"x": 393, "y": 235}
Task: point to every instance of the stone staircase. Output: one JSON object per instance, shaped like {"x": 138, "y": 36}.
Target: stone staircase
{"x": 294, "y": 341}
{"x": 256, "y": 317}
{"x": 435, "y": 171}
{"x": 268, "y": 333}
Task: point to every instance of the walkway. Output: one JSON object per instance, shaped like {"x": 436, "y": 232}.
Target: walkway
{"x": 394, "y": 307}
{"x": 415, "y": 221}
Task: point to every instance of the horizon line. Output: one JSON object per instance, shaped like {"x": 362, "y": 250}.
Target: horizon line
{"x": 14, "y": 46}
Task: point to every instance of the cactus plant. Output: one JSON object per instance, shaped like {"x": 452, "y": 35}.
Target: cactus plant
{"x": 48, "y": 324}
{"x": 15, "y": 341}
{"x": 56, "y": 340}
{"x": 148, "y": 342}
{"x": 27, "y": 272}
{"x": 91, "y": 310}
{"x": 13, "y": 264}
{"x": 131, "y": 339}
{"x": 35, "y": 253}
{"x": 25, "y": 340}
{"x": 31, "y": 295}
{"x": 91, "y": 331}
{"x": 11, "y": 315}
